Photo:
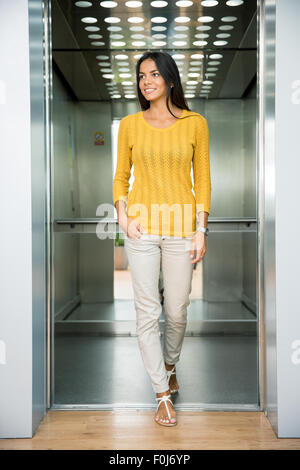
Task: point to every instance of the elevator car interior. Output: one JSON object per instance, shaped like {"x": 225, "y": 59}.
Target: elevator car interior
{"x": 93, "y": 357}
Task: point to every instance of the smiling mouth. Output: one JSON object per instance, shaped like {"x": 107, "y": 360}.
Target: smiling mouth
{"x": 150, "y": 91}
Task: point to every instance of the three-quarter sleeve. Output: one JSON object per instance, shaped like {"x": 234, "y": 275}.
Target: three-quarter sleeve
{"x": 201, "y": 167}
{"x": 124, "y": 163}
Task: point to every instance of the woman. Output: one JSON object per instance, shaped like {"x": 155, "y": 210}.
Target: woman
{"x": 159, "y": 215}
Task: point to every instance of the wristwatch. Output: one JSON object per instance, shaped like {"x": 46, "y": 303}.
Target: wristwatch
{"x": 203, "y": 229}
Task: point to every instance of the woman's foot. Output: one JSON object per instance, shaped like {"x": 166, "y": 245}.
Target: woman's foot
{"x": 162, "y": 414}
{"x": 173, "y": 384}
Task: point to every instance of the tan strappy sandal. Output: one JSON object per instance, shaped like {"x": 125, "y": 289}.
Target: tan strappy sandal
{"x": 165, "y": 398}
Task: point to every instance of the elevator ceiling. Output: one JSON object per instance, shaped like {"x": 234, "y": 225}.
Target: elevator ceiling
{"x": 95, "y": 45}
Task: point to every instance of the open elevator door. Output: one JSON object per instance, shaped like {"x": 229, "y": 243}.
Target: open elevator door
{"x": 93, "y": 332}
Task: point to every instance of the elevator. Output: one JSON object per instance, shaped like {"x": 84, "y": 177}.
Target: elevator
{"x": 93, "y": 357}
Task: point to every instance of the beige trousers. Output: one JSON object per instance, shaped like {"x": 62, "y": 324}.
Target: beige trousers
{"x": 145, "y": 257}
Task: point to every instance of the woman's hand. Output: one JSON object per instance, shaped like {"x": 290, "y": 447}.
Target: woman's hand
{"x": 198, "y": 243}
{"x": 131, "y": 227}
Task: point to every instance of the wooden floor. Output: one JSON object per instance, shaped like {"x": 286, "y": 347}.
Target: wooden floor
{"x": 122, "y": 429}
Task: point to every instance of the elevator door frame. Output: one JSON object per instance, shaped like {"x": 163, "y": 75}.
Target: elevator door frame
{"x": 259, "y": 212}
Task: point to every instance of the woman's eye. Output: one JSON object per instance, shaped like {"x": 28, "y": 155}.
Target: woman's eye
{"x": 155, "y": 73}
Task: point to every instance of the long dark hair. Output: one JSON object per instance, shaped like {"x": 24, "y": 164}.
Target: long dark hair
{"x": 169, "y": 71}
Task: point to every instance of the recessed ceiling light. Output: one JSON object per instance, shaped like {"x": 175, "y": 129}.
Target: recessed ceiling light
{"x": 159, "y": 19}
{"x": 209, "y": 3}
{"x": 213, "y": 62}
{"x": 197, "y": 56}
{"x": 201, "y": 35}
{"x": 104, "y": 64}
{"x": 196, "y": 62}
{"x": 210, "y": 74}
{"x": 229, "y": 18}
{"x": 136, "y": 28}
{"x": 121, "y": 56}
{"x": 89, "y": 19}
{"x": 223, "y": 35}
{"x": 226, "y": 27}
{"x": 135, "y": 19}
{"x": 108, "y": 4}
{"x": 207, "y": 82}
{"x": 124, "y": 69}
{"x": 178, "y": 56}
{"x": 182, "y": 19}
{"x": 194, "y": 69}
{"x": 140, "y": 36}
{"x": 114, "y": 28}
{"x": 116, "y": 36}
{"x": 137, "y": 56}
{"x": 118, "y": 43}
{"x": 95, "y": 36}
{"x": 179, "y": 36}
{"x": 220, "y": 43}
{"x": 125, "y": 75}
{"x": 108, "y": 75}
{"x": 127, "y": 83}
{"x": 158, "y": 4}
{"x": 92, "y": 28}
{"x": 193, "y": 74}
{"x": 102, "y": 57}
{"x": 123, "y": 64}
{"x": 138, "y": 43}
{"x": 200, "y": 43}
{"x": 179, "y": 43}
{"x": 83, "y": 4}
{"x": 133, "y": 4}
{"x": 97, "y": 43}
{"x": 184, "y": 3}
{"x": 116, "y": 96}
{"x": 189, "y": 95}
{"x": 212, "y": 69}
{"x": 159, "y": 28}
{"x": 112, "y": 19}
{"x": 181, "y": 28}
{"x": 129, "y": 96}
{"x": 105, "y": 70}
{"x": 159, "y": 43}
{"x": 205, "y": 19}
{"x": 192, "y": 82}
{"x": 234, "y": 3}
{"x": 215, "y": 56}
{"x": 203, "y": 27}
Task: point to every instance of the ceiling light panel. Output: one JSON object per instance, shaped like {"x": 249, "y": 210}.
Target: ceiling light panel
{"x": 198, "y": 30}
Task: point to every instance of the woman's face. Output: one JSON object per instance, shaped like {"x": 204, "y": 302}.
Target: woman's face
{"x": 151, "y": 83}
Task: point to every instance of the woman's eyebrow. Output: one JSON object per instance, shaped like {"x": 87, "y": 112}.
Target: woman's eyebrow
{"x": 150, "y": 71}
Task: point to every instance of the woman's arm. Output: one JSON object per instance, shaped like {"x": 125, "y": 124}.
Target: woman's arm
{"x": 202, "y": 188}
{"x": 201, "y": 172}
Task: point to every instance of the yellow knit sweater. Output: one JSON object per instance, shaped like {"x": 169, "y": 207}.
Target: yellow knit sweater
{"x": 161, "y": 197}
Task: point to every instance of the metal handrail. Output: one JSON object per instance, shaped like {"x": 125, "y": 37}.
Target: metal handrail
{"x": 97, "y": 220}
